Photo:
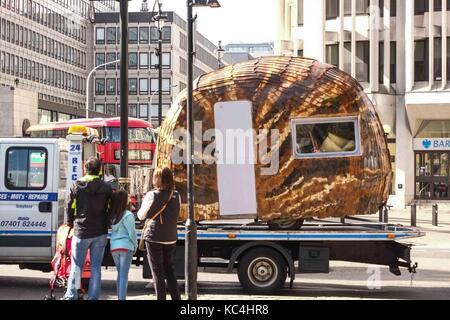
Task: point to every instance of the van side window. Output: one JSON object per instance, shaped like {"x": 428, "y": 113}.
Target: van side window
{"x": 325, "y": 137}
{"x": 26, "y": 168}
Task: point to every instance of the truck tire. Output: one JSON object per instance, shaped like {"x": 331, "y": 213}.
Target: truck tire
{"x": 284, "y": 224}
{"x": 262, "y": 271}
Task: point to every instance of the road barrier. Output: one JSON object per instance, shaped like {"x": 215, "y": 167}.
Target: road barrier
{"x": 414, "y": 215}
{"x": 434, "y": 215}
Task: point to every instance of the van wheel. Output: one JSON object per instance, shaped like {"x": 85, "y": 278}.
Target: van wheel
{"x": 285, "y": 224}
{"x": 262, "y": 271}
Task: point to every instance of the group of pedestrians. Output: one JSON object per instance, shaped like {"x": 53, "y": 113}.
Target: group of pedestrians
{"x": 93, "y": 208}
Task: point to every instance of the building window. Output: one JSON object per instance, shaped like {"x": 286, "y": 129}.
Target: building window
{"x": 183, "y": 40}
{"x": 183, "y": 66}
{"x": 393, "y": 67}
{"x": 143, "y": 111}
{"x": 111, "y": 35}
{"x": 111, "y": 56}
{"x": 99, "y": 86}
{"x": 154, "y": 34}
{"x": 438, "y": 59}
{"x": 132, "y": 60}
{"x": 111, "y": 86}
{"x": 133, "y": 110}
{"x": 332, "y": 9}
{"x": 154, "y": 85}
{"x": 100, "y": 108}
{"x": 300, "y": 12}
{"x": 26, "y": 168}
{"x": 420, "y": 7}
{"x": 166, "y": 60}
{"x": 143, "y": 35}
{"x": 438, "y": 5}
{"x": 167, "y": 34}
{"x": 132, "y": 86}
{"x": 332, "y": 54}
{"x": 99, "y": 59}
{"x": 362, "y": 7}
{"x": 132, "y": 35}
{"x": 325, "y": 137}
{"x": 143, "y": 60}
{"x": 392, "y": 9}
{"x": 362, "y": 60}
{"x": 111, "y": 109}
{"x": 143, "y": 86}
{"x": 100, "y": 35}
{"x": 154, "y": 60}
{"x": 166, "y": 86}
{"x": 421, "y": 60}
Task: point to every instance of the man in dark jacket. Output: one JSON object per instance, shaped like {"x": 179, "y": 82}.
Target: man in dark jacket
{"x": 87, "y": 213}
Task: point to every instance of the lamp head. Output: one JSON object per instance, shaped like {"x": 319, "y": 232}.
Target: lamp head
{"x": 206, "y": 3}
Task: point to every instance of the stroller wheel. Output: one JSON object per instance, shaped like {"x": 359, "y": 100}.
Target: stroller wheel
{"x": 50, "y": 297}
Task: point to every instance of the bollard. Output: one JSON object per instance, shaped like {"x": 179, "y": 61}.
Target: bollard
{"x": 434, "y": 217}
{"x": 386, "y": 213}
{"x": 413, "y": 215}
{"x": 380, "y": 214}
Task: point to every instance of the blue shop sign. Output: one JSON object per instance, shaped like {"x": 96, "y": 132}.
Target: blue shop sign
{"x": 431, "y": 144}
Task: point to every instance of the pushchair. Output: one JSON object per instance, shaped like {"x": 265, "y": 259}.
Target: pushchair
{"x": 61, "y": 264}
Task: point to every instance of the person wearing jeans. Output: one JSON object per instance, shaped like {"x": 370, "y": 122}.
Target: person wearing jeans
{"x": 79, "y": 250}
{"x": 87, "y": 214}
{"x": 123, "y": 239}
{"x": 162, "y": 207}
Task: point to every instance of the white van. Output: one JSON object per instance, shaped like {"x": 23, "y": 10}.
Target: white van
{"x": 32, "y": 196}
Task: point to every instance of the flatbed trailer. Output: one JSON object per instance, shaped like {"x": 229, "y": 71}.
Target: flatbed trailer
{"x": 264, "y": 258}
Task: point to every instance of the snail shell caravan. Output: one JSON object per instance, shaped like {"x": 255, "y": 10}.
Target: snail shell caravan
{"x": 330, "y": 156}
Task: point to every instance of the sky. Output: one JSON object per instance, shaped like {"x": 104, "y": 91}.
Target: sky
{"x": 235, "y": 21}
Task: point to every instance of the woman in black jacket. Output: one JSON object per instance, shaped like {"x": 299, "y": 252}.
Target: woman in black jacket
{"x": 162, "y": 206}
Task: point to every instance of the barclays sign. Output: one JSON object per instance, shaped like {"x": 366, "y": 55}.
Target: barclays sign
{"x": 432, "y": 144}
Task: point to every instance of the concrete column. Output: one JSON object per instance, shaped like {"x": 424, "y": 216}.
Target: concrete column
{"x": 444, "y": 44}
{"x": 341, "y": 35}
{"x": 431, "y": 43}
{"x": 404, "y": 158}
{"x": 374, "y": 30}
{"x": 409, "y": 45}
{"x": 400, "y": 46}
{"x": 387, "y": 45}
{"x": 353, "y": 43}
{"x": 280, "y": 27}
{"x": 314, "y": 29}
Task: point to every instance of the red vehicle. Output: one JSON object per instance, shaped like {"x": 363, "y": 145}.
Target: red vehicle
{"x": 140, "y": 135}
{"x": 141, "y": 148}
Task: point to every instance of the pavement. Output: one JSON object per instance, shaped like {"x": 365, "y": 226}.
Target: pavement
{"x": 345, "y": 280}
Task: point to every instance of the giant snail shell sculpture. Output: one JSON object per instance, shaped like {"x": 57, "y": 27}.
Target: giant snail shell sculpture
{"x": 331, "y": 150}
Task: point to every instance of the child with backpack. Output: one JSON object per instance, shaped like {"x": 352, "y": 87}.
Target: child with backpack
{"x": 123, "y": 239}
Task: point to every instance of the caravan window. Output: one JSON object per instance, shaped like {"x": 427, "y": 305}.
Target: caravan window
{"x": 325, "y": 137}
{"x": 26, "y": 168}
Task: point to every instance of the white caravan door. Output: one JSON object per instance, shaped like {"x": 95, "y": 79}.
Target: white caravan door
{"x": 236, "y": 154}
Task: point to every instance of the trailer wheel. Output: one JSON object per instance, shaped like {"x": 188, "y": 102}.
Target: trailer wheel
{"x": 285, "y": 224}
{"x": 262, "y": 271}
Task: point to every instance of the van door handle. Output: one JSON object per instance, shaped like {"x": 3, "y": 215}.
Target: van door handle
{"x": 45, "y": 207}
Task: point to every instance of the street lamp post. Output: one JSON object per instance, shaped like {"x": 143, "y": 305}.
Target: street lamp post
{"x": 160, "y": 19}
{"x": 220, "y": 52}
{"x": 153, "y": 94}
{"x": 124, "y": 180}
{"x": 87, "y": 83}
{"x": 191, "y": 227}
